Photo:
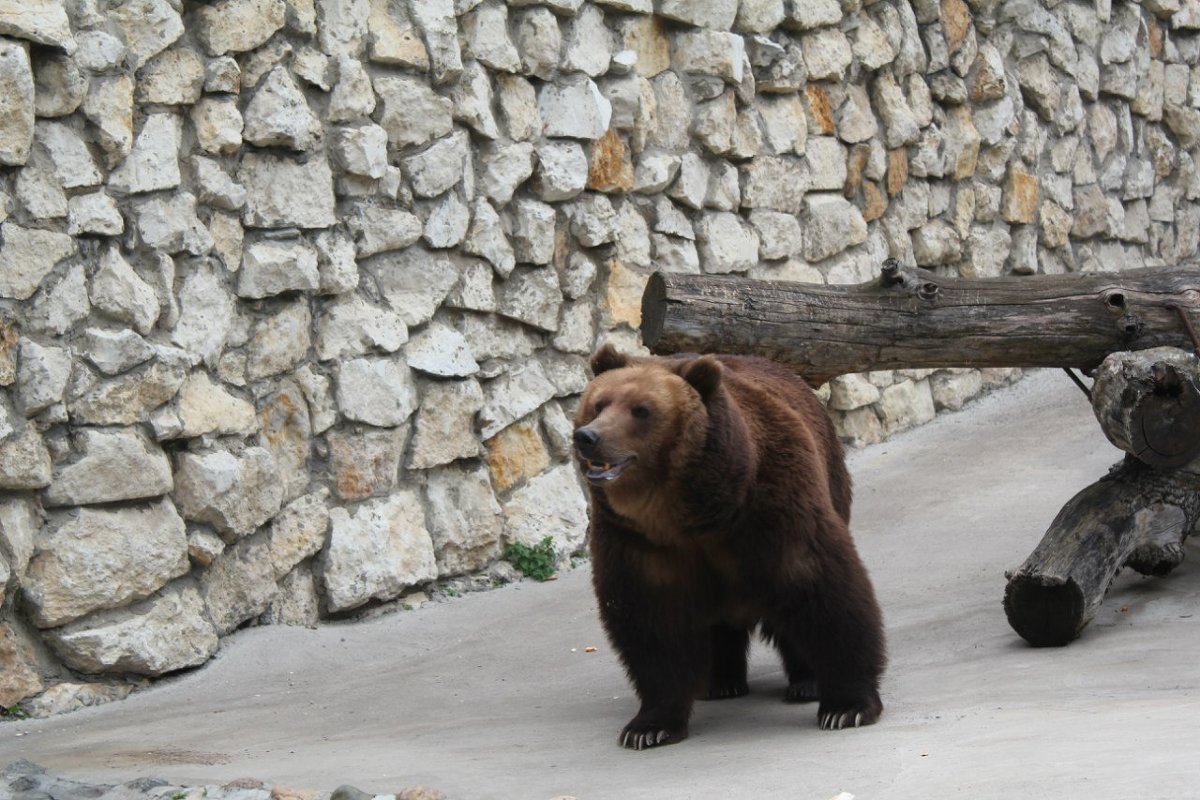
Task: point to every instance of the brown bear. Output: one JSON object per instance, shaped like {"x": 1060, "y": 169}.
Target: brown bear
{"x": 720, "y": 503}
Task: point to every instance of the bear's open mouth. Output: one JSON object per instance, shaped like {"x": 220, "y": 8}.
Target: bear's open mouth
{"x": 600, "y": 473}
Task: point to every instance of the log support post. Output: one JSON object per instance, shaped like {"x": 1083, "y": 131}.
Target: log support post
{"x": 1137, "y": 516}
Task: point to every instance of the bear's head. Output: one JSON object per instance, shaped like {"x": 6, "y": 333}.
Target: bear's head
{"x": 640, "y": 419}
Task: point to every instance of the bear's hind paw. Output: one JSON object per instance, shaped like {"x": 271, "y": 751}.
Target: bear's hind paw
{"x": 639, "y": 736}
{"x": 727, "y": 691}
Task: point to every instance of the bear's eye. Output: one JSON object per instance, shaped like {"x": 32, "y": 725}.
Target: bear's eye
{"x": 600, "y": 406}
{"x": 640, "y": 412}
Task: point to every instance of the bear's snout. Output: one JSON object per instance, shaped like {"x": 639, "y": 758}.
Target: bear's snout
{"x": 586, "y": 440}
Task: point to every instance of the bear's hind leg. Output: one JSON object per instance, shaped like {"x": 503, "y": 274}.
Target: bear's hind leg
{"x": 728, "y": 674}
{"x": 802, "y": 683}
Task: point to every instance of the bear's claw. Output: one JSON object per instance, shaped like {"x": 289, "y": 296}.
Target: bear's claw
{"x": 837, "y": 719}
{"x": 728, "y": 691}
{"x": 639, "y": 738}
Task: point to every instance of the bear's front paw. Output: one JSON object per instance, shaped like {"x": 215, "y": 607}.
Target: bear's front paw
{"x": 836, "y": 716}
{"x": 639, "y": 735}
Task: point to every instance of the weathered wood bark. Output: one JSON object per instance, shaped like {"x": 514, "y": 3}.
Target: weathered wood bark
{"x": 1137, "y": 516}
{"x": 911, "y": 318}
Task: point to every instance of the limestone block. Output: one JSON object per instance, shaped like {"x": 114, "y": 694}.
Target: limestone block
{"x": 110, "y": 465}
{"x": 239, "y": 584}
{"x": 205, "y": 407}
{"x": 279, "y": 115}
{"x": 94, "y": 213}
{"x": 237, "y": 26}
{"x": 24, "y": 460}
{"x": 42, "y": 375}
{"x": 444, "y": 430}
{"x": 235, "y": 493}
{"x": 73, "y": 163}
{"x": 533, "y": 231}
{"x": 727, "y": 243}
{"x": 441, "y": 351}
{"x": 147, "y": 26}
{"x": 376, "y": 391}
{"x": 415, "y": 281}
{"x": 513, "y": 395}
{"x": 299, "y": 531}
{"x": 360, "y": 151}
{"x": 466, "y": 530}
{"x": 28, "y": 256}
{"x": 533, "y": 296}
{"x": 587, "y": 45}
{"x": 485, "y": 30}
{"x": 562, "y": 171}
{"x": 154, "y": 162}
{"x": 218, "y": 124}
{"x": 353, "y": 326}
{"x": 206, "y": 314}
{"x": 165, "y": 633}
{"x": 717, "y": 15}
{"x": 831, "y": 225}
{"x": 906, "y": 405}
{"x": 129, "y": 398}
{"x": 552, "y": 504}
{"x": 85, "y": 562}
{"x": 575, "y": 110}
{"x": 40, "y": 21}
{"x": 16, "y": 102}
{"x": 59, "y": 84}
{"x": 365, "y": 461}
{"x": 412, "y": 113}
{"x": 936, "y": 243}
{"x": 437, "y": 21}
{"x": 282, "y": 192}
{"x": 538, "y": 40}
{"x": 439, "y": 167}
{"x": 169, "y": 223}
{"x": 486, "y": 238}
{"x": 377, "y": 552}
{"x": 516, "y": 454}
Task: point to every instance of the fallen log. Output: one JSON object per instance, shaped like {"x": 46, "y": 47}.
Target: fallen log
{"x": 911, "y": 318}
{"x": 1137, "y": 516}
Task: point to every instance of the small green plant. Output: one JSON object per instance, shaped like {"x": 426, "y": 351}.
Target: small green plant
{"x": 14, "y": 712}
{"x": 180, "y": 795}
{"x": 535, "y": 562}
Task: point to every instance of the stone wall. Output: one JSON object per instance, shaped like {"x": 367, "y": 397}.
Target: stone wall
{"x": 295, "y": 295}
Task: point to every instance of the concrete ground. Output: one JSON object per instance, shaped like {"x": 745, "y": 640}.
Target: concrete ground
{"x": 494, "y": 695}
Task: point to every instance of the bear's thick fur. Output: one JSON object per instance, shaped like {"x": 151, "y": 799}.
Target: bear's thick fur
{"x": 720, "y": 502}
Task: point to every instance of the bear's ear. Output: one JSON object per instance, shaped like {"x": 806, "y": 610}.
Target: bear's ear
{"x": 703, "y": 373}
{"x": 607, "y": 358}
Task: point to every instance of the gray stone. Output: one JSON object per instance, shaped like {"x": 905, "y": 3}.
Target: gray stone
{"x": 336, "y": 262}
{"x": 59, "y": 84}
{"x": 95, "y": 213}
{"x": 235, "y": 493}
{"x": 718, "y": 15}
{"x": 466, "y": 530}
{"x": 512, "y": 396}
{"x": 84, "y": 563}
{"x": 848, "y": 392}
{"x": 16, "y": 102}
{"x": 218, "y": 124}
{"x": 831, "y": 225}
{"x": 517, "y": 100}
{"x": 439, "y": 167}
{"x": 271, "y": 267}
{"x": 533, "y": 231}
{"x": 128, "y": 399}
{"x": 906, "y": 405}
{"x": 148, "y": 27}
{"x": 444, "y": 430}
{"x": 727, "y": 243}
{"x": 279, "y": 342}
{"x": 361, "y": 151}
{"x": 238, "y": 26}
{"x": 42, "y": 375}
{"x": 163, "y": 634}
{"x": 41, "y": 21}
{"x": 392, "y": 38}
{"x": 561, "y": 172}
{"x": 206, "y": 314}
{"x": 207, "y": 408}
{"x": 539, "y": 40}
{"x": 28, "y": 256}
{"x": 436, "y": 19}
{"x": 576, "y": 110}
{"x": 447, "y": 223}
{"x": 377, "y": 391}
{"x": 168, "y": 222}
{"x": 353, "y": 326}
{"x": 552, "y": 504}
{"x": 154, "y": 162}
{"x": 415, "y": 282}
{"x": 779, "y": 234}
{"x": 533, "y": 296}
{"x": 588, "y": 43}
{"x": 486, "y": 238}
{"x": 952, "y": 389}
{"x": 110, "y": 466}
{"x": 505, "y": 168}
{"x": 936, "y": 243}
{"x": 239, "y": 585}
{"x": 114, "y": 352}
{"x": 342, "y": 25}
{"x": 353, "y": 97}
{"x": 441, "y": 351}
{"x": 378, "y": 552}
{"x": 412, "y": 113}
{"x": 593, "y": 221}
{"x": 215, "y": 186}
{"x": 24, "y": 461}
{"x": 60, "y": 305}
{"x": 485, "y": 30}
{"x": 775, "y": 182}
{"x": 70, "y": 156}
{"x": 173, "y": 78}
{"x": 379, "y": 230}
{"x": 279, "y": 116}
{"x": 298, "y": 531}
{"x": 282, "y": 192}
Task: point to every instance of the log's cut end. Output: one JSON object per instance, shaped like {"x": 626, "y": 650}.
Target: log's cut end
{"x": 654, "y": 310}
{"x": 1045, "y": 614}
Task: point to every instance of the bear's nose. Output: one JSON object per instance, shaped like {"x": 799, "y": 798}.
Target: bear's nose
{"x": 586, "y": 440}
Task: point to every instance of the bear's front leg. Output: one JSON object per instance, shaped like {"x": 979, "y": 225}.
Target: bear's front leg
{"x": 666, "y": 667}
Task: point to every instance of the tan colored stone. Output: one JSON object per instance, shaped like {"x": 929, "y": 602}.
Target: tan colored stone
{"x": 1021, "y": 194}
{"x": 646, "y": 38}
{"x": 515, "y": 455}
{"x": 820, "y": 112}
{"x": 19, "y": 677}
{"x": 610, "y": 168}
{"x": 897, "y": 171}
{"x": 956, "y": 22}
{"x": 874, "y": 203}
{"x": 623, "y": 298}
